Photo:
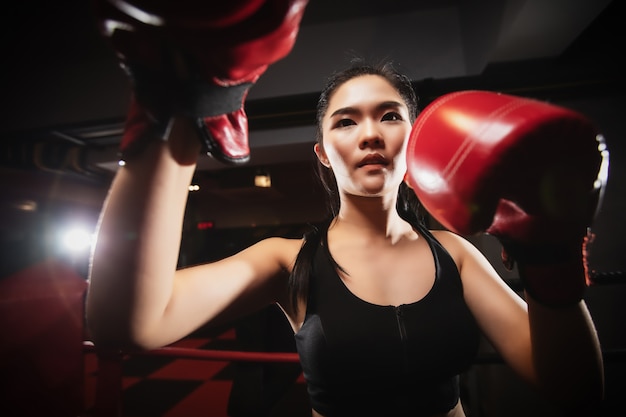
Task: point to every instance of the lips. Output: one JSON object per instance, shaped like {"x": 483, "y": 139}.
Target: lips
{"x": 373, "y": 159}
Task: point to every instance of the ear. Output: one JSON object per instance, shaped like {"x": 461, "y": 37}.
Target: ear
{"x": 321, "y": 155}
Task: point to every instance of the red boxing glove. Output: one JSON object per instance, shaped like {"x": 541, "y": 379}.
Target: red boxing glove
{"x": 197, "y": 59}
{"x": 530, "y": 173}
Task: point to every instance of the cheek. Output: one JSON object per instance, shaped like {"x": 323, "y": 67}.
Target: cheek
{"x": 400, "y": 159}
{"x": 401, "y": 164}
{"x": 335, "y": 158}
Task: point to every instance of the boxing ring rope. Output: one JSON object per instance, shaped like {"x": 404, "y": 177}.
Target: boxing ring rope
{"x": 283, "y": 357}
{"x": 108, "y": 399}
{"x": 206, "y": 354}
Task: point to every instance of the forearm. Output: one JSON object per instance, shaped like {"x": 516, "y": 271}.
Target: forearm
{"x": 567, "y": 356}
{"x": 138, "y": 242}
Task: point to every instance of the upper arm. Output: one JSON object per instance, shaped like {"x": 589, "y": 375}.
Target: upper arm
{"x": 501, "y": 314}
{"x": 222, "y": 291}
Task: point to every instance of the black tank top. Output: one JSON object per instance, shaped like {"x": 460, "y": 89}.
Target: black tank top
{"x": 362, "y": 359}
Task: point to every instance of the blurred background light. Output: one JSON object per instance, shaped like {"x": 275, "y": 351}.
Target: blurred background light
{"x": 77, "y": 240}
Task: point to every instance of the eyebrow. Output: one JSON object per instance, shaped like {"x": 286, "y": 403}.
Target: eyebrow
{"x": 381, "y": 106}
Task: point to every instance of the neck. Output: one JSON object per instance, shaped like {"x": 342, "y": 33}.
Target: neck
{"x": 371, "y": 217}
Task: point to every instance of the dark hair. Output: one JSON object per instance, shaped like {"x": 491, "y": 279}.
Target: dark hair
{"x": 407, "y": 204}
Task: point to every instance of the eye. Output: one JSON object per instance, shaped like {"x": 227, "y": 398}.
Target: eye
{"x": 344, "y": 123}
{"x": 392, "y": 116}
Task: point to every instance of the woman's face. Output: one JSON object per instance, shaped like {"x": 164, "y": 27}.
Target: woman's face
{"x": 365, "y": 132}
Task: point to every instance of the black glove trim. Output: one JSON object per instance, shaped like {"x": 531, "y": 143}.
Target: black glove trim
{"x": 541, "y": 254}
{"x": 198, "y": 99}
{"x": 206, "y": 100}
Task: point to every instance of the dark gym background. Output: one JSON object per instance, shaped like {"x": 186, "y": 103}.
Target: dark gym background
{"x": 64, "y": 99}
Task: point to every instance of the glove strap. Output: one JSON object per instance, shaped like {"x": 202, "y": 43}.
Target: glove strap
{"x": 150, "y": 117}
{"x": 553, "y": 275}
{"x": 193, "y": 98}
{"x": 554, "y": 285}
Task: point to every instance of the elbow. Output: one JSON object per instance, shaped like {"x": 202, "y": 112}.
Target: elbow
{"x": 123, "y": 340}
{"x": 109, "y": 324}
{"x": 107, "y": 337}
{"x": 111, "y": 332}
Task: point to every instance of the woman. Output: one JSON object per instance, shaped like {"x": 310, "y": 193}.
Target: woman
{"x": 386, "y": 313}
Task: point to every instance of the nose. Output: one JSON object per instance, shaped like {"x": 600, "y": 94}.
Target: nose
{"x": 370, "y": 136}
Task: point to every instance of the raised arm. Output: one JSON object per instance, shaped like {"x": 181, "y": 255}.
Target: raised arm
{"x": 554, "y": 349}
{"x": 135, "y": 257}
{"x": 532, "y": 175}
{"x": 137, "y": 298}
{"x": 190, "y": 71}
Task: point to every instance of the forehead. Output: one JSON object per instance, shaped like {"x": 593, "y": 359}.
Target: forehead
{"x": 363, "y": 90}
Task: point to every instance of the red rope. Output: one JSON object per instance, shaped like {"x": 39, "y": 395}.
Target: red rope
{"x": 215, "y": 355}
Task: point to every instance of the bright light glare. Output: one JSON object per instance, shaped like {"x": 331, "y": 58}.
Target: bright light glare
{"x": 77, "y": 240}
{"x": 459, "y": 120}
{"x": 139, "y": 14}
{"x": 485, "y": 131}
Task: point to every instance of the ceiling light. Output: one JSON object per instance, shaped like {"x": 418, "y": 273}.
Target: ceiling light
{"x": 262, "y": 179}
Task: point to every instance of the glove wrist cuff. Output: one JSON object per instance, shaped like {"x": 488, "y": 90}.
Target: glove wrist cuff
{"x": 554, "y": 285}
{"x": 543, "y": 254}
{"x": 142, "y": 128}
{"x": 194, "y": 97}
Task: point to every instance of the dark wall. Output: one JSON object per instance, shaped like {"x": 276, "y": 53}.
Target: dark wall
{"x": 607, "y": 251}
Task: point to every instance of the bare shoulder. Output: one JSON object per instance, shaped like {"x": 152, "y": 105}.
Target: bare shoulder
{"x": 456, "y": 245}
{"x": 282, "y": 250}
{"x": 476, "y": 270}
{"x": 465, "y": 254}
{"x": 483, "y": 285}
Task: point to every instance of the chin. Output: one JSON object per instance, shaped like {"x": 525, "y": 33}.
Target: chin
{"x": 375, "y": 191}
